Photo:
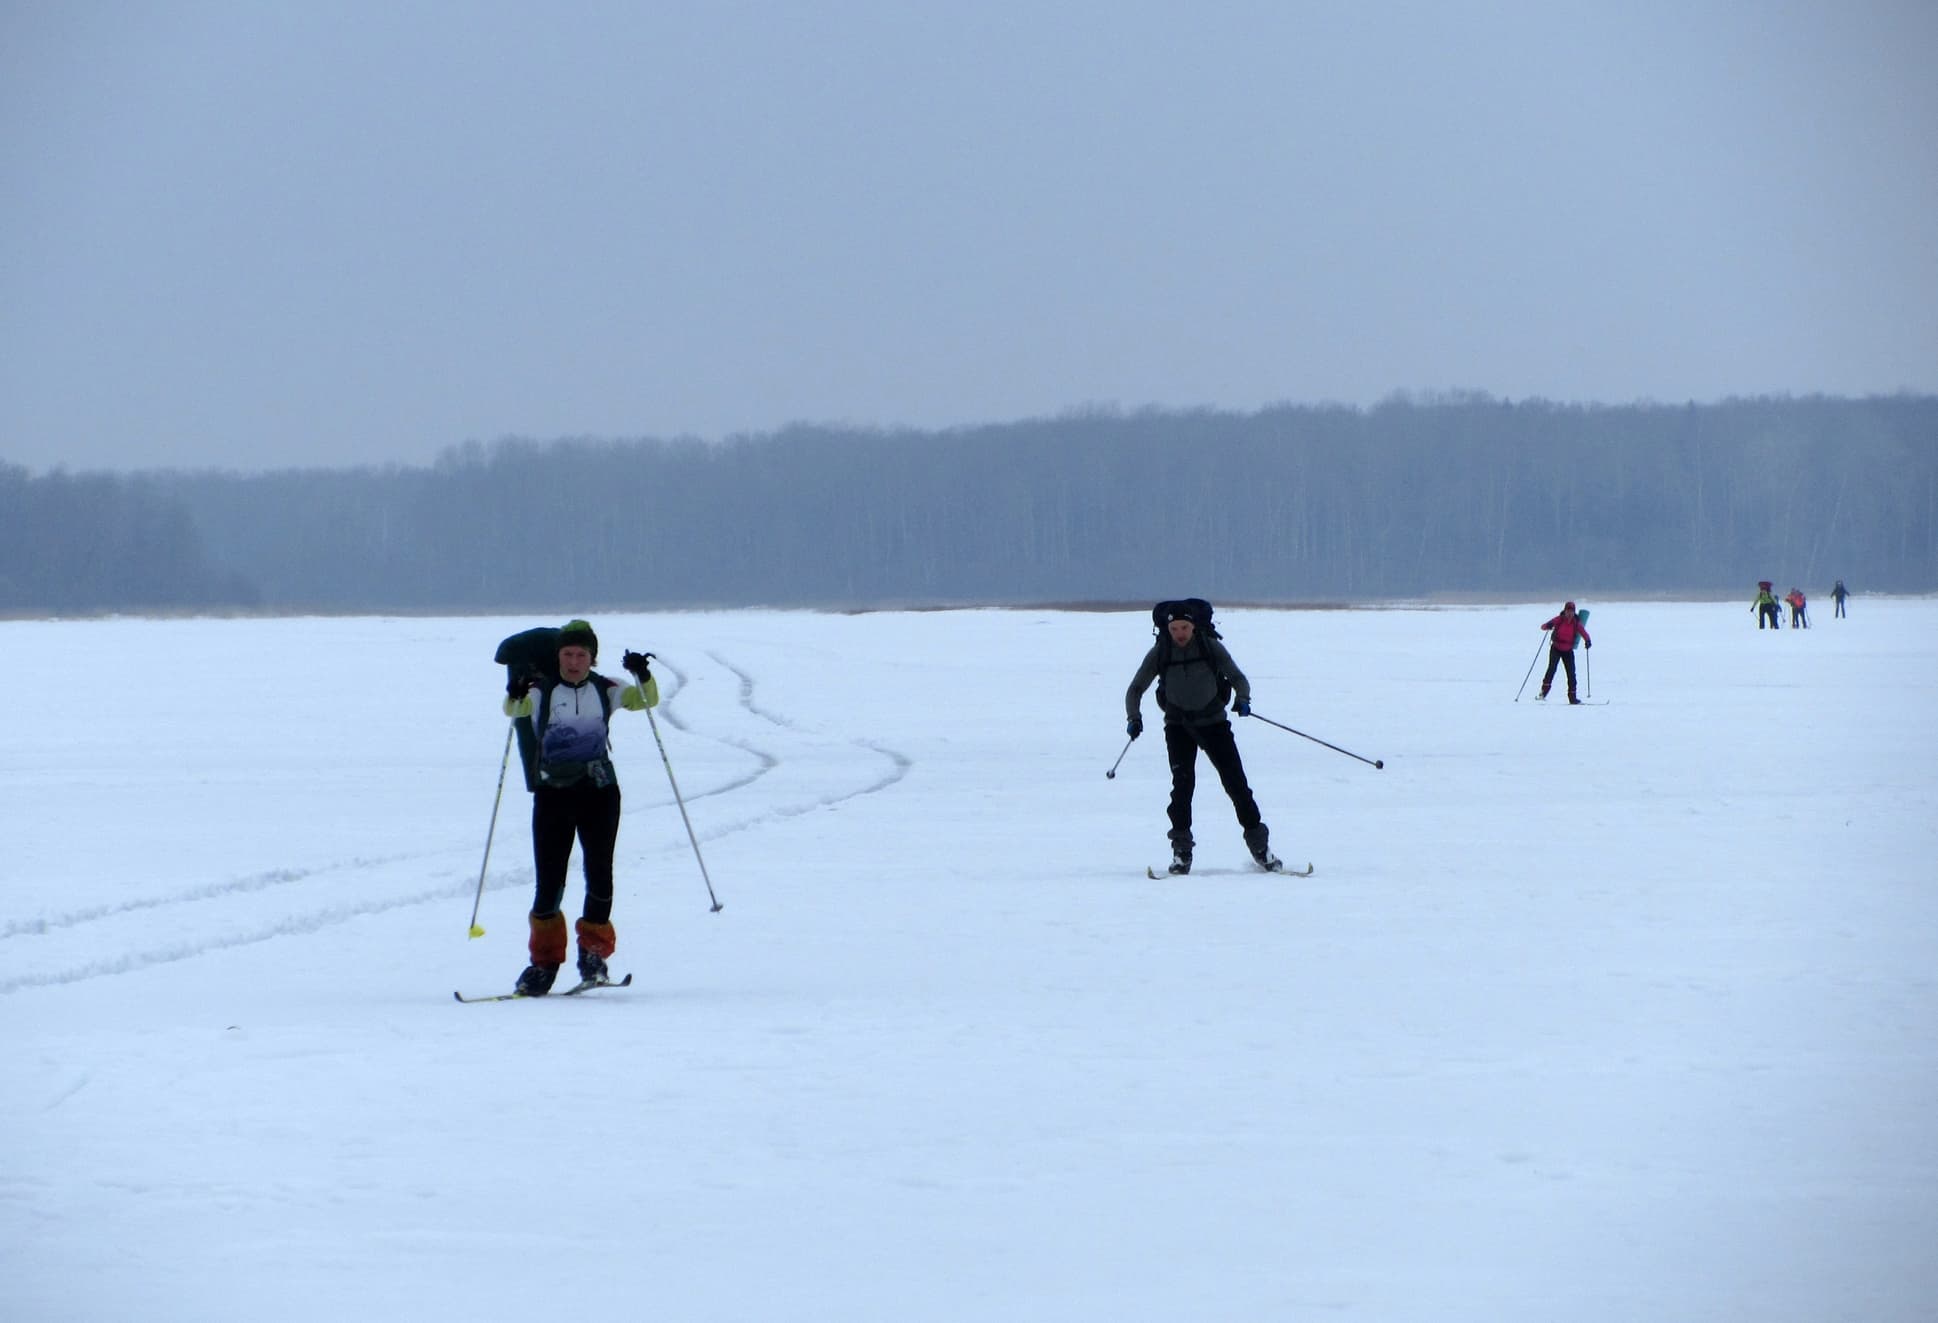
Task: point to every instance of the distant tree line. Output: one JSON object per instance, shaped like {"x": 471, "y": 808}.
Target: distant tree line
{"x": 103, "y": 542}
{"x": 1415, "y": 497}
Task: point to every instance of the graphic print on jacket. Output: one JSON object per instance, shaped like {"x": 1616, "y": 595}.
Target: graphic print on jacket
{"x": 575, "y": 725}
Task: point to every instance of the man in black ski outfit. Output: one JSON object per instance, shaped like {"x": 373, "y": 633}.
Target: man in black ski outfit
{"x": 1193, "y": 672}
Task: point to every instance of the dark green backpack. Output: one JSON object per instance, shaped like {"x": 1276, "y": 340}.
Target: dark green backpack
{"x": 534, "y": 653}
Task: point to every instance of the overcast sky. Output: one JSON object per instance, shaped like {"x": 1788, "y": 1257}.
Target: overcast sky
{"x": 250, "y": 235}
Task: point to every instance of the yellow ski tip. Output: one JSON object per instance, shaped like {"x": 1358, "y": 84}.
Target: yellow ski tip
{"x": 476, "y": 931}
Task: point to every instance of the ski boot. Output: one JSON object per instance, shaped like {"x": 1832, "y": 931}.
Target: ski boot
{"x": 1180, "y": 862}
{"x": 536, "y": 981}
{"x": 1257, "y": 840}
{"x": 596, "y": 942}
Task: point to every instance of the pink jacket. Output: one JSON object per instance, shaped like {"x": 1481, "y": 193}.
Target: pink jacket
{"x": 1566, "y": 626}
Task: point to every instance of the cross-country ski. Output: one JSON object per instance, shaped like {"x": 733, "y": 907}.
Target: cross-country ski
{"x": 1165, "y": 875}
{"x": 574, "y": 991}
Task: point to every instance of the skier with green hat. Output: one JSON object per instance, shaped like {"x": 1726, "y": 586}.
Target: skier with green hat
{"x": 575, "y": 796}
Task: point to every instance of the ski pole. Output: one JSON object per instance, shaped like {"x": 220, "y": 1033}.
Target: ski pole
{"x": 1373, "y": 762}
{"x": 668, "y": 763}
{"x": 492, "y": 830}
{"x": 1531, "y": 666}
{"x": 1111, "y": 775}
{"x": 1587, "y": 655}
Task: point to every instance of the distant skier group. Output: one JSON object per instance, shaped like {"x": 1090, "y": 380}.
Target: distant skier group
{"x": 1768, "y": 607}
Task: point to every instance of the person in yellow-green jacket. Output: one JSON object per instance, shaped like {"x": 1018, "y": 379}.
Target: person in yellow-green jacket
{"x": 575, "y": 795}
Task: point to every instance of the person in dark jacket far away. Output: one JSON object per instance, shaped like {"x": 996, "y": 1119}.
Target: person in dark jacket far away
{"x": 1192, "y": 670}
{"x": 1563, "y": 630}
{"x": 1840, "y": 593}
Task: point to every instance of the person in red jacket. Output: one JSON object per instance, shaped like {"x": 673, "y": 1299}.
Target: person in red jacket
{"x": 1564, "y": 630}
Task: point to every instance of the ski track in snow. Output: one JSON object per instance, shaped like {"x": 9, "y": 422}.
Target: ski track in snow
{"x": 899, "y": 764}
{"x": 275, "y": 877}
{"x": 315, "y": 919}
{"x": 293, "y": 925}
{"x": 767, "y": 761}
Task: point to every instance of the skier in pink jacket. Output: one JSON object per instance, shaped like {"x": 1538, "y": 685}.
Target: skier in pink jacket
{"x": 1564, "y": 629}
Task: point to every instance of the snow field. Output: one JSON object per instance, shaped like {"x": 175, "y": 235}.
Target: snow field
{"x": 1598, "y": 1013}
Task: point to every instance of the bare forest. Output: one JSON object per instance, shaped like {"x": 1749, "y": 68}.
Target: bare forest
{"x": 1417, "y": 497}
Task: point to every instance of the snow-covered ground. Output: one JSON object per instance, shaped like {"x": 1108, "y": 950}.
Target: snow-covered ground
{"x": 1623, "y": 1012}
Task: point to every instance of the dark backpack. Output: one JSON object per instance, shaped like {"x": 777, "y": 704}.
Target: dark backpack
{"x": 1196, "y": 609}
{"x": 1198, "y": 612}
{"x": 535, "y": 653}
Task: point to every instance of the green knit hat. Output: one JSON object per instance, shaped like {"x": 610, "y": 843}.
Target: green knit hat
{"x": 578, "y": 634}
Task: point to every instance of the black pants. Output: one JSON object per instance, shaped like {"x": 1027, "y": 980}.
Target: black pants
{"x": 1181, "y": 744}
{"x": 1840, "y": 609}
{"x": 1768, "y": 612}
{"x": 1559, "y": 657}
{"x": 590, "y": 814}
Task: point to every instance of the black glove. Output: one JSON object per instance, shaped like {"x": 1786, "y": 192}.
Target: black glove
{"x": 1243, "y": 707}
{"x": 520, "y": 685}
{"x": 1135, "y": 726}
{"x": 1588, "y": 643}
{"x": 639, "y": 663}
